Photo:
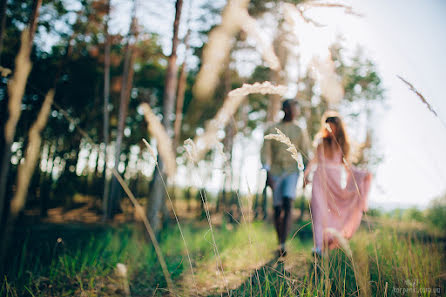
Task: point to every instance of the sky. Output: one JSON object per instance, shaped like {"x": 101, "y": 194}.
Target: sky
{"x": 407, "y": 38}
{"x": 402, "y": 37}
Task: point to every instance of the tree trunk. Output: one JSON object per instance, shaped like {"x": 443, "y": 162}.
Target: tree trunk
{"x": 228, "y": 143}
{"x": 47, "y": 180}
{"x": 15, "y": 98}
{"x": 127, "y": 81}
{"x": 33, "y": 19}
{"x": 2, "y": 24}
{"x": 156, "y": 193}
{"x": 182, "y": 87}
{"x": 274, "y": 103}
{"x": 25, "y": 172}
{"x": 277, "y": 76}
{"x": 156, "y": 197}
{"x": 180, "y": 101}
{"x": 106, "y": 127}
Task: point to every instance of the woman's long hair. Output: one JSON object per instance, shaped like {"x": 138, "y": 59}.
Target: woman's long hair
{"x": 341, "y": 137}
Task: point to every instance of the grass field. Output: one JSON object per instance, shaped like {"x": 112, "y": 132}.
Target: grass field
{"x": 384, "y": 258}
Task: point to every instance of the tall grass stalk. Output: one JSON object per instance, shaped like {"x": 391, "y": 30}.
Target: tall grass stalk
{"x": 174, "y": 212}
{"x": 422, "y": 98}
{"x": 190, "y": 148}
{"x": 140, "y": 212}
{"x": 248, "y": 225}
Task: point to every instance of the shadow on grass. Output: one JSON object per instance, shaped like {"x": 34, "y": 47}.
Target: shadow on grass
{"x": 272, "y": 279}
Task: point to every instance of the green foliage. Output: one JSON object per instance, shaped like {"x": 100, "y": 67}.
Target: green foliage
{"x": 436, "y": 214}
{"x": 374, "y": 212}
{"x": 360, "y": 79}
{"x": 413, "y": 214}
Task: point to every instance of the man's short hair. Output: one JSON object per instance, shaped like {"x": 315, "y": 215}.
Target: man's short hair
{"x": 288, "y": 103}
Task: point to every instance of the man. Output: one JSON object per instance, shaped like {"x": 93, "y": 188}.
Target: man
{"x": 282, "y": 170}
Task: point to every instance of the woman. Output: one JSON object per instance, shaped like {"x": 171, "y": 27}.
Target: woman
{"x": 334, "y": 205}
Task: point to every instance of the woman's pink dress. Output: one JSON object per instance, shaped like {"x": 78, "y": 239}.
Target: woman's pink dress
{"x": 335, "y": 206}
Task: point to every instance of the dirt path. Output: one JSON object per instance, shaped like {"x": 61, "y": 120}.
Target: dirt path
{"x": 241, "y": 267}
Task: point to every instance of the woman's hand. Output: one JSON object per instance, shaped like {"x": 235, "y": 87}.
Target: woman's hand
{"x": 270, "y": 181}
{"x": 307, "y": 172}
{"x": 306, "y": 180}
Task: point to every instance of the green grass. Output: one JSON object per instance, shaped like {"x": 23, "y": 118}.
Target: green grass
{"x": 84, "y": 262}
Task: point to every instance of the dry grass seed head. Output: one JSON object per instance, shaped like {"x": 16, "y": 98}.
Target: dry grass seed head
{"x": 164, "y": 143}
{"x": 330, "y": 82}
{"x": 150, "y": 149}
{"x": 217, "y": 49}
{"x": 208, "y": 139}
{"x": 191, "y": 150}
{"x": 341, "y": 240}
{"x": 281, "y": 137}
{"x": 235, "y": 17}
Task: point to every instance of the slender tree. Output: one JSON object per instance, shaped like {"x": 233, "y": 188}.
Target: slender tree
{"x": 106, "y": 126}
{"x": 180, "y": 96}
{"x": 2, "y": 24}
{"x": 156, "y": 193}
{"x": 182, "y": 84}
{"x": 126, "y": 87}
{"x": 16, "y": 89}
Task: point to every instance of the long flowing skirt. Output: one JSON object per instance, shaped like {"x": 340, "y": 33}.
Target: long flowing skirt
{"x": 337, "y": 206}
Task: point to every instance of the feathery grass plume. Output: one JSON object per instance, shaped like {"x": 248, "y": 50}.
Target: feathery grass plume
{"x": 150, "y": 149}
{"x": 235, "y": 17}
{"x": 249, "y": 25}
{"x": 191, "y": 150}
{"x": 26, "y": 169}
{"x": 5, "y": 71}
{"x": 17, "y": 84}
{"x": 292, "y": 12}
{"x": 361, "y": 264}
{"x": 164, "y": 143}
{"x": 281, "y": 137}
{"x": 330, "y": 82}
{"x": 301, "y": 8}
{"x": 341, "y": 240}
{"x": 121, "y": 270}
{"x": 217, "y": 49}
{"x": 413, "y": 89}
{"x": 208, "y": 139}
{"x": 263, "y": 88}
{"x": 347, "y": 8}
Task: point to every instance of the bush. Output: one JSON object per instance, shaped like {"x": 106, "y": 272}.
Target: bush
{"x": 413, "y": 214}
{"x": 436, "y": 214}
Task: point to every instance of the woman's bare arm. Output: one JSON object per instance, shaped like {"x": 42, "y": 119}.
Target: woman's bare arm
{"x": 311, "y": 163}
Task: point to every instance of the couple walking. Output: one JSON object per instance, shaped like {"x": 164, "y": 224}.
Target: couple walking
{"x": 334, "y": 205}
